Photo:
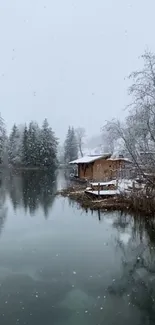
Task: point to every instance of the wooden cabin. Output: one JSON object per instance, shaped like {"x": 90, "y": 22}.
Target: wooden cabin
{"x": 100, "y": 167}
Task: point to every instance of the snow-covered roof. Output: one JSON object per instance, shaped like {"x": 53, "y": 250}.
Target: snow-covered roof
{"x": 89, "y": 159}
{"x": 120, "y": 158}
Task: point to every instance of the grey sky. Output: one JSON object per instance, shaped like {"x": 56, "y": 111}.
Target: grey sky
{"x": 66, "y": 60}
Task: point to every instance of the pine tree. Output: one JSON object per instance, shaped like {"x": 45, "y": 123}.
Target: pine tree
{"x": 48, "y": 146}
{"x": 25, "y": 148}
{"x": 74, "y": 146}
{"x": 13, "y": 146}
{"x": 70, "y": 146}
{"x": 67, "y": 146}
{"x": 3, "y": 139}
{"x": 33, "y": 139}
{"x": 38, "y": 147}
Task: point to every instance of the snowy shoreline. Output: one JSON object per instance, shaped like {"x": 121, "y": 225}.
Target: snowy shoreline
{"x": 133, "y": 202}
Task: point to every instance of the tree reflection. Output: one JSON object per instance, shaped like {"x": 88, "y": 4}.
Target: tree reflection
{"x": 144, "y": 227}
{"x": 32, "y": 189}
{"x": 121, "y": 221}
{"x": 15, "y": 190}
{"x": 3, "y": 208}
{"x": 38, "y": 189}
{"x": 137, "y": 283}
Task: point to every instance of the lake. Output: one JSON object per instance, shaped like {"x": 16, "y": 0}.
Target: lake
{"x": 61, "y": 265}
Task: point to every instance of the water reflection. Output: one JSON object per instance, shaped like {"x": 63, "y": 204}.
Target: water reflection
{"x": 140, "y": 228}
{"x": 32, "y": 190}
{"x": 38, "y": 189}
{"x": 14, "y": 187}
{"x": 76, "y": 267}
{"x": 136, "y": 242}
{"x": 3, "y": 206}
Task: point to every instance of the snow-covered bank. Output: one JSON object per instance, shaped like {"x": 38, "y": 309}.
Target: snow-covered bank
{"x": 78, "y": 194}
{"x": 126, "y": 199}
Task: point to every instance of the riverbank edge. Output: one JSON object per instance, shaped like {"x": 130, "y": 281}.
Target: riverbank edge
{"x": 133, "y": 202}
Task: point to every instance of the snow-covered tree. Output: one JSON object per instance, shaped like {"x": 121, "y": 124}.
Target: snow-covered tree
{"x": 33, "y": 144}
{"x": 80, "y": 135}
{"x": 138, "y": 129}
{"x": 109, "y": 138}
{"x": 140, "y": 122}
{"x": 70, "y": 146}
{"x": 39, "y": 146}
{"x": 3, "y": 139}
{"x": 48, "y": 146}
{"x": 25, "y": 148}
{"x": 14, "y": 146}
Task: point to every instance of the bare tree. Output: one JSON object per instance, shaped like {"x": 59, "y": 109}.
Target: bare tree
{"x": 80, "y": 135}
{"x": 138, "y": 129}
{"x": 142, "y": 90}
{"x": 109, "y": 136}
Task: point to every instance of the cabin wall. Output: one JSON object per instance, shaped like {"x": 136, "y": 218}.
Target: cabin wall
{"x": 85, "y": 171}
{"x": 101, "y": 170}
{"x": 106, "y": 169}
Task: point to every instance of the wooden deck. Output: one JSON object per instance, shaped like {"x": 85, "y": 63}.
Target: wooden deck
{"x": 102, "y": 192}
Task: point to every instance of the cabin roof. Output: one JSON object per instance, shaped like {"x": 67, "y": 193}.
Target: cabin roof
{"x": 120, "y": 158}
{"x": 89, "y": 159}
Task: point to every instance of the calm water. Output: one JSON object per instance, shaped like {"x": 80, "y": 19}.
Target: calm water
{"x": 62, "y": 266}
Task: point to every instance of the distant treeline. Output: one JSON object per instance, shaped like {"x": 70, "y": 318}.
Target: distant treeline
{"x": 29, "y": 145}
{"x": 32, "y": 146}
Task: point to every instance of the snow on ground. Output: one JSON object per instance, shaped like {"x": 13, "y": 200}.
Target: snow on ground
{"x": 127, "y": 184}
{"x": 105, "y": 192}
{"x": 104, "y": 183}
{"x": 123, "y": 185}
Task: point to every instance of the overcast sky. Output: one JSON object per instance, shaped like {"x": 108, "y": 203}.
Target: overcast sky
{"x": 67, "y": 59}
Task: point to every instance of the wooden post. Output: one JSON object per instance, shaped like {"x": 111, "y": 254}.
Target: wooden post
{"x": 99, "y": 215}
{"x": 98, "y": 188}
{"x": 116, "y": 184}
